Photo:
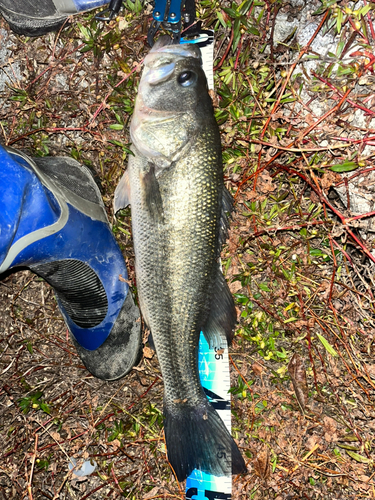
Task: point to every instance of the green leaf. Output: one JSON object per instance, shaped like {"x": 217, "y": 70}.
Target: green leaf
{"x": 289, "y": 320}
{"x": 231, "y": 12}
{"x": 264, "y": 287}
{"x": 253, "y": 30}
{"x": 339, "y": 20}
{"x": 45, "y": 408}
{"x": 221, "y": 19}
{"x": 327, "y": 346}
{"x": 116, "y": 126}
{"x": 359, "y": 458}
{"x": 347, "y": 166}
{"x": 364, "y": 10}
{"x": 316, "y": 252}
{"x": 85, "y": 32}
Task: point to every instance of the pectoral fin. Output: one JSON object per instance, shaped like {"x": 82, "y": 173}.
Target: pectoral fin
{"x": 152, "y": 196}
{"x": 122, "y": 193}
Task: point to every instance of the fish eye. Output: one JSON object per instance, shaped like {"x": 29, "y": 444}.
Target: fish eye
{"x": 187, "y": 78}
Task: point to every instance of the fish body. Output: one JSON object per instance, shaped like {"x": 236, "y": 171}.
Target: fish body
{"x": 174, "y": 184}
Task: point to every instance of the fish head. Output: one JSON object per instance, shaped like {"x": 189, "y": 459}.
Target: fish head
{"x": 171, "y": 102}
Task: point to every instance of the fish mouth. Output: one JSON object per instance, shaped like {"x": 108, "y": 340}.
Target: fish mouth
{"x": 164, "y": 54}
{"x": 164, "y": 45}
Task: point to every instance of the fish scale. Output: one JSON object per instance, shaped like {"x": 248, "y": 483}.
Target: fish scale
{"x": 174, "y": 184}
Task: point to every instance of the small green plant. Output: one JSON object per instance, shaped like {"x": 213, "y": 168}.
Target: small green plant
{"x": 34, "y": 401}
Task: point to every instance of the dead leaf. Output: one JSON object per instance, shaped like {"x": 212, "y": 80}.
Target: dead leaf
{"x": 148, "y": 352}
{"x": 257, "y": 368}
{"x": 152, "y": 493}
{"x": 265, "y": 183}
{"x": 312, "y": 441}
{"x": 329, "y": 179}
{"x": 262, "y": 464}
{"x": 235, "y": 286}
{"x": 330, "y": 427}
{"x": 358, "y": 458}
{"x": 215, "y": 98}
{"x": 124, "y": 280}
{"x": 297, "y": 373}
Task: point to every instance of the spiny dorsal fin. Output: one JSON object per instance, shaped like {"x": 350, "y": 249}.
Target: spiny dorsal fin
{"x": 226, "y": 209}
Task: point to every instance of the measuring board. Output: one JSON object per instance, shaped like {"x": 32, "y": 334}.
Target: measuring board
{"x": 214, "y": 375}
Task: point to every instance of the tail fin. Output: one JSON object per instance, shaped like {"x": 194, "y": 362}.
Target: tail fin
{"x": 197, "y": 438}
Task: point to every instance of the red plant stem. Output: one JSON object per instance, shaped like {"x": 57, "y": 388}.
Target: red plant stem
{"x": 102, "y": 105}
{"x": 326, "y": 82}
{"x": 324, "y": 201}
{"x": 299, "y": 150}
{"x": 239, "y": 51}
{"x": 334, "y": 269}
{"x": 357, "y": 31}
{"x": 353, "y": 141}
{"x": 292, "y": 68}
{"x": 52, "y": 130}
{"x": 218, "y": 66}
{"x": 94, "y": 491}
{"x": 307, "y": 131}
{"x": 334, "y": 390}
{"x": 369, "y": 214}
{"x": 322, "y": 118}
{"x": 62, "y": 442}
{"x": 347, "y": 195}
{"x": 360, "y": 172}
{"x": 54, "y": 64}
{"x": 371, "y": 25}
{"x": 362, "y": 245}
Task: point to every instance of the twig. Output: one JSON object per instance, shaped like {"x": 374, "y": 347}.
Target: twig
{"x": 300, "y": 150}
{"x": 218, "y": 66}
{"x": 350, "y": 101}
{"x": 29, "y": 491}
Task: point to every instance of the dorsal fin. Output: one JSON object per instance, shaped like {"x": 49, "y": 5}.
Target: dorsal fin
{"x": 222, "y": 316}
{"x": 226, "y": 209}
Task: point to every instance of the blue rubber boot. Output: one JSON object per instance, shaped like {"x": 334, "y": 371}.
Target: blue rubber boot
{"x": 38, "y": 17}
{"x": 53, "y": 221}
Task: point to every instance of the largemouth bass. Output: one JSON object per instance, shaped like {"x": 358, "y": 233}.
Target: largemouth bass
{"x": 174, "y": 184}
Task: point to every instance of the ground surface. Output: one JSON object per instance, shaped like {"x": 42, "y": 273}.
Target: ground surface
{"x": 302, "y": 363}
